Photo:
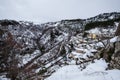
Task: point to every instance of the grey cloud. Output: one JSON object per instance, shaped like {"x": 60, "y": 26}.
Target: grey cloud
{"x": 54, "y": 10}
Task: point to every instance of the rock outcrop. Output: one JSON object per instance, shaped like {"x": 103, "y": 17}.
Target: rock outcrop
{"x": 117, "y": 33}
{"x": 111, "y": 52}
{"x": 115, "y": 59}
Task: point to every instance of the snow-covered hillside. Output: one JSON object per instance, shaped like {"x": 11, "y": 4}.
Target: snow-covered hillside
{"x": 37, "y": 51}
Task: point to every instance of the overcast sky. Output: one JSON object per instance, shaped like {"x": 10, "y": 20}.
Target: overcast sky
{"x": 55, "y": 10}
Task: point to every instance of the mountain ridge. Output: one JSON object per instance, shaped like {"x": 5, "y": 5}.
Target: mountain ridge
{"x": 28, "y": 49}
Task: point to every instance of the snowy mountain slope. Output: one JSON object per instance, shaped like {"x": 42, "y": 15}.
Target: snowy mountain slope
{"x": 37, "y": 51}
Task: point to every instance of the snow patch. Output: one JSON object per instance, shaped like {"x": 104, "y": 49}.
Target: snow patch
{"x": 29, "y": 57}
{"x": 3, "y": 77}
{"x": 94, "y": 71}
{"x": 114, "y": 39}
{"x": 95, "y": 31}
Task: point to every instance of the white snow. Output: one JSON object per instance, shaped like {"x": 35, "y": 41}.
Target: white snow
{"x": 111, "y": 17}
{"x": 99, "y": 65}
{"x": 3, "y": 77}
{"x": 76, "y": 54}
{"x": 116, "y": 23}
{"x": 52, "y": 62}
{"x": 28, "y": 32}
{"x": 56, "y": 24}
{"x": 29, "y": 57}
{"x": 100, "y": 44}
{"x": 114, "y": 39}
{"x": 95, "y": 31}
{"x": 37, "y": 70}
{"x": 86, "y": 52}
{"x": 94, "y": 71}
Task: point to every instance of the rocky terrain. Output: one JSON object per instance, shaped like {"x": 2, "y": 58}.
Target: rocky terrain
{"x": 31, "y": 51}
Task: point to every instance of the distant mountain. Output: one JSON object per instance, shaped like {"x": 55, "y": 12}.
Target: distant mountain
{"x": 28, "y": 50}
